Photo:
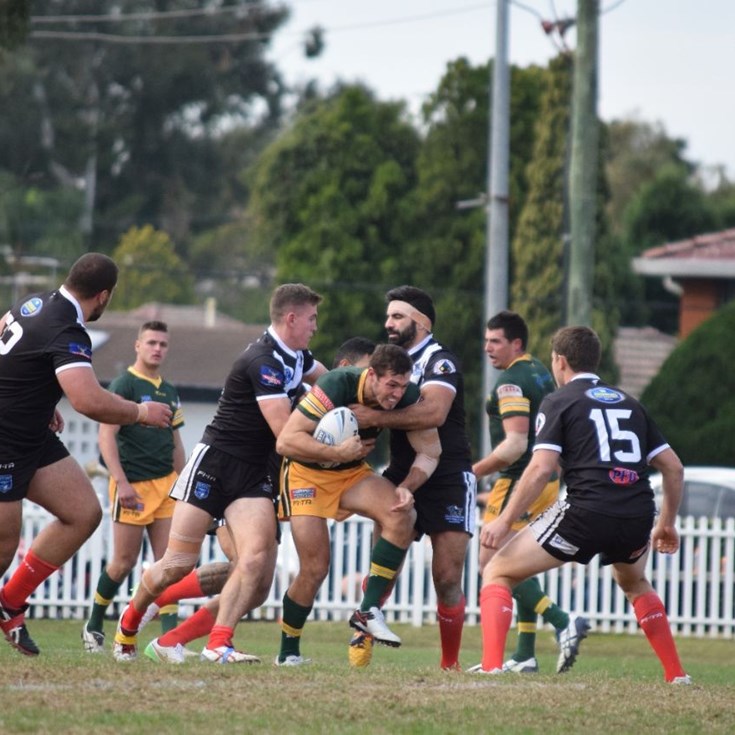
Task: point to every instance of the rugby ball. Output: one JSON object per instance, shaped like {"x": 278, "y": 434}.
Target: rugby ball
{"x": 334, "y": 427}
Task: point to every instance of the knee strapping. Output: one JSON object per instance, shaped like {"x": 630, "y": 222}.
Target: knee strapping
{"x": 159, "y": 573}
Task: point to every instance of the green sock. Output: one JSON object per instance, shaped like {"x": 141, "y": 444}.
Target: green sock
{"x": 292, "y": 625}
{"x": 106, "y": 590}
{"x": 169, "y": 617}
{"x": 385, "y": 561}
{"x": 529, "y": 593}
{"x": 526, "y": 644}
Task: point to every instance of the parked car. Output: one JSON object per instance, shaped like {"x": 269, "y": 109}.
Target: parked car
{"x": 708, "y": 491}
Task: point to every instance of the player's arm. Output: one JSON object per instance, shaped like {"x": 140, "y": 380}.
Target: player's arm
{"x": 318, "y": 370}
{"x": 509, "y": 450}
{"x": 529, "y": 487}
{"x": 88, "y": 397}
{"x": 429, "y": 412}
{"x": 107, "y": 440}
{"x": 428, "y": 448}
{"x": 665, "y": 537}
{"x": 296, "y": 441}
{"x": 179, "y": 452}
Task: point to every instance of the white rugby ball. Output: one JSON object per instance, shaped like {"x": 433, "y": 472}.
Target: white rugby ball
{"x": 334, "y": 427}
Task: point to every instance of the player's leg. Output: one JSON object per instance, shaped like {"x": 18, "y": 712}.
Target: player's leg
{"x": 252, "y": 522}
{"x": 651, "y": 616}
{"x": 447, "y": 571}
{"x": 12, "y": 620}
{"x": 158, "y": 533}
{"x": 188, "y": 528}
{"x": 374, "y": 497}
{"x": 126, "y": 543}
{"x": 520, "y": 558}
{"x": 311, "y": 539}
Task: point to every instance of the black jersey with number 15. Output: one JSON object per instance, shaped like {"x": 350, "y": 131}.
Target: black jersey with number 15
{"x": 606, "y": 440}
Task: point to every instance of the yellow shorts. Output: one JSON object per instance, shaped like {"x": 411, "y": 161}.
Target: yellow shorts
{"x": 155, "y": 503}
{"x": 501, "y": 492}
{"x": 306, "y": 491}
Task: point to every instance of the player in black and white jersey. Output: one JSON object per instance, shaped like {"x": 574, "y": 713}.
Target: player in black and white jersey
{"x": 46, "y": 352}
{"x": 445, "y": 504}
{"x": 227, "y": 476}
{"x": 605, "y": 442}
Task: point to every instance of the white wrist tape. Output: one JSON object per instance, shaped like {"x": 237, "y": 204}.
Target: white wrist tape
{"x": 142, "y": 413}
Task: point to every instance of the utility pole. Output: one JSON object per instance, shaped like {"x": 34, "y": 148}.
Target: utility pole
{"x": 496, "y": 257}
{"x": 583, "y": 166}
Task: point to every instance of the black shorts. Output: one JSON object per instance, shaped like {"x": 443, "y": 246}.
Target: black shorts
{"x": 445, "y": 504}
{"x": 213, "y": 479}
{"x": 16, "y": 473}
{"x": 570, "y": 533}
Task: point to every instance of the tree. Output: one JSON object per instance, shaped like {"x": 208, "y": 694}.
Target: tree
{"x": 329, "y": 198}
{"x": 134, "y": 126}
{"x": 691, "y": 398}
{"x": 538, "y": 248}
{"x": 14, "y": 23}
{"x": 150, "y": 270}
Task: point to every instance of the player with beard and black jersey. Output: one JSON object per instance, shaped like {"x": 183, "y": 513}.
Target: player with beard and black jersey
{"x": 605, "y": 442}
{"x": 46, "y": 352}
{"x": 227, "y": 476}
{"x": 445, "y": 507}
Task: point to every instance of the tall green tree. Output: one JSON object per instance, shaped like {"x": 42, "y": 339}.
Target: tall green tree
{"x": 329, "y": 197}
{"x": 446, "y": 252}
{"x": 134, "y": 124}
{"x": 150, "y": 270}
{"x": 539, "y": 248}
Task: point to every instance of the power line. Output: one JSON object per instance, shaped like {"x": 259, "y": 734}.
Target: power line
{"x": 237, "y": 37}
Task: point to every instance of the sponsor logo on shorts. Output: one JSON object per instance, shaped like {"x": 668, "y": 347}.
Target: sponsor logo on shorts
{"x": 271, "y": 377}
{"x": 31, "y": 307}
{"x": 7, "y": 465}
{"x": 202, "y": 490}
{"x": 303, "y": 493}
{"x": 6, "y": 483}
{"x": 563, "y": 545}
{"x": 454, "y": 514}
{"x": 623, "y": 476}
{"x": 603, "y": 394}
{"x": 82, "y": 350}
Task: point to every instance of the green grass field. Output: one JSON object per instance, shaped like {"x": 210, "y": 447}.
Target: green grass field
{"x": 615, "y": 687}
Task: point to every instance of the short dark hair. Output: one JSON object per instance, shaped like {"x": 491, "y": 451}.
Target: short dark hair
{"x": 388, "y": 358}
{"x": 353, "y": 349}
{"x": 580, "y": 346}
{"x": 289, "y": 295}
{"x": 92, "y": 274}
{"x": 420, "y": 300}
{"x": 153, "y": 326}
{"x": 512, "y": 324}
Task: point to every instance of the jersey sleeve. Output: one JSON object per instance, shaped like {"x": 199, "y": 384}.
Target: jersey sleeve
{"x": 328, "y": 393}
{"x": 267, "y": 377}
{"x": 442, "y": 369}
{"x": 511, "y": 400}
{"x": 549, "y": 427}
{"x": 70, "y": 348}
{"x": 411, "y": 396}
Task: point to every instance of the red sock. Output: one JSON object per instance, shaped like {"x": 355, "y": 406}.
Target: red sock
{"x": 130, "y": 619}
{"x": 651, "y": 616}
{"x": 496, "y": 614}
{"x": 183, "y": 589}
{"x": 221, "y": 635}
{"x": 198, "y": 625}
{"x": 26, "y": 578}
{"x": 451, "y": 622}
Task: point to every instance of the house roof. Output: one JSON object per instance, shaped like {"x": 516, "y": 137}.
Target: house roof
{"x": 204, "y": 344}
{"x": 709, "y": 256}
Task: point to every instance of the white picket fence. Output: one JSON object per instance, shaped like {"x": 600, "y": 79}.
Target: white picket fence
{"x": 696, "y": 584}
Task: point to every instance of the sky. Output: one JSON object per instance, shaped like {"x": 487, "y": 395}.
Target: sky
{"x": 661, "y": 61}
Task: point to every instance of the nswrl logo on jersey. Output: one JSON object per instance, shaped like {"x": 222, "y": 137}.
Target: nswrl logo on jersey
{"x": 31, "y": 307}
{"x": 603, "y": 394}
